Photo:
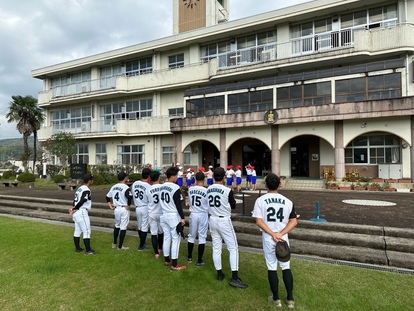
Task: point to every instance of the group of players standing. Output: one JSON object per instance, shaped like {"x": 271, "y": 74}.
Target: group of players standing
{"x": 159, "y": 210}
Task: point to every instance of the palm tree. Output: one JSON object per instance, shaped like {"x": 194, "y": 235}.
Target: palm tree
{"x": 29, "y": 116}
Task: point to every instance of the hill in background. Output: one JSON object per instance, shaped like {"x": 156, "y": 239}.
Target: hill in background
{"x": 12, "y": 148}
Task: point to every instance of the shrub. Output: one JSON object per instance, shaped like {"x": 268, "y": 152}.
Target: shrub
{"x": 58, "y": 178}
{"x": 134, "y": 177}
{"x": 26, "y": 177}
{"x": 9, "y": 175}
{"x": 98, "y": 179}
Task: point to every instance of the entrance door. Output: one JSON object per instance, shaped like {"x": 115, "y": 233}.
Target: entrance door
{"x": 299, "y": 159}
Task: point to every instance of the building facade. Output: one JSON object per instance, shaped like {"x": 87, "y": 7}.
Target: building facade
{"x": 325, "y": 86}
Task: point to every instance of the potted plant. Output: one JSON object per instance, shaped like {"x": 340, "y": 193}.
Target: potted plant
{"x": 387, "y": 186}
{"x": 359, "y": 186}
{"x": 374, "y": 187}
{"x": 332, "y": 185}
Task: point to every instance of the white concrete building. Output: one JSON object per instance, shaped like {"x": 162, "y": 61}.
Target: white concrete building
{"x": 319, "y": 87}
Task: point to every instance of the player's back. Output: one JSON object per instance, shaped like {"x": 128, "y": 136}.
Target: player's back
{"x": 197, "y": 195}
{"x": 153, "y": 197}
{"x": 218, "y": 200}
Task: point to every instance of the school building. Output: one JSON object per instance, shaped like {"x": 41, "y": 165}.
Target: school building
{"x": 321, "y": 87}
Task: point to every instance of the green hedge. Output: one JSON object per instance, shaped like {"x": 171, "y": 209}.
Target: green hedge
{"x": 26, "y": 177}
{"x": 9, "y": 175}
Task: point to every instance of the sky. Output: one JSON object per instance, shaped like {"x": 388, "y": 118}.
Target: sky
{"x": 40, "y": 33}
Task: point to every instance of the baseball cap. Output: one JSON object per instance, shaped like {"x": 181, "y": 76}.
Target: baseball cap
{"x": 122, "y": 176}
{"x": 177, "y": 164}
{"x": 282, "y": 251}
{"x": 210, "y": 166}
{"x": 238, "y": 166}
{"x": 229, "y": 167}
{"x": 180, "y": 168}
{"x": 87, "y": 177}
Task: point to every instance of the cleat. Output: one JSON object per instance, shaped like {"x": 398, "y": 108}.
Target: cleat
{"x": 238, "y": 283}
{"x": 201, "y": 263}
{"x": 123, "y": 248}
{"x": 290, "y": 304}
{"x": 275, "y": 303}
{"x": 79, "y": 250}
{"x": 178, "y": 267}
{"x": 143, "y": 248}
{"x": 113, "y": 245}
{"x": 189, "y": 260}
{"x": 220, "y": 277}
{"x": 91, "y": 252}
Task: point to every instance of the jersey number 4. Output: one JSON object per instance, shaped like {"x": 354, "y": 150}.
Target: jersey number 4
{"x": 272, "y": 215}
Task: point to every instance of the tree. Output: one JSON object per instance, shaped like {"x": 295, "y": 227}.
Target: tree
{"x": 29, "y": 117}
{"x": 61, "y": 145}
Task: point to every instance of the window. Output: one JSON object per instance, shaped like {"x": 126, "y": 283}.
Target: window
{"x": 176, "y": 112}
{"x": 101, "y": 155}
{"x": 368, "y": 88}
{"x": 176, "y": 61}
{"x": 205, "y": 106}
{"x": 70, "y": 118}
{"x": 82, "y": 154}
{"x": 187, "y": 156}
{"x": 108, "y": 76}
{"x": 138, "y": 67}
{"x": 74, "y": 83}
{"x": 374, "y": 149}
{"x": 131, "y": 154}
{"x": 167, "y": 156}
{"x": 132, "y": 110}
{"x": 304, "y": 95}
{"x": 250, "y": 101}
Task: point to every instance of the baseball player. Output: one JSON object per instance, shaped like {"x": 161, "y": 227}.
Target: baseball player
{"x": 172, "y": 218}
{"x": 276, "y": 217}
{"x": 221, "y": 201}
{"x": 139, "y": 189}
{"x": 119, "y": 200}
{"x": 198, "y": 219}
{"x": 154, "y": 213}
{"x": 82, "y": 203}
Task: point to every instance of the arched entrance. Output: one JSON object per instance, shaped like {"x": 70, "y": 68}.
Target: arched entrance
{"x": 304, "y": 156}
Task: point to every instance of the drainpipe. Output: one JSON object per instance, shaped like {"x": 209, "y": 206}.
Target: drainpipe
{"x": 407, "y": 75}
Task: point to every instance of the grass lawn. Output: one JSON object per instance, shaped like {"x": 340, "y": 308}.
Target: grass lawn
{"x": 41, "y": 271}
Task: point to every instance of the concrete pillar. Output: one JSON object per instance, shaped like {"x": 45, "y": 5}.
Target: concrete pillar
{"x": 223, "y": 151}
{"x": 275, "y": 150}
{"x": 178, "y": 147}
{"x": 412, "y": 150}
{"x": 339, "y": 150}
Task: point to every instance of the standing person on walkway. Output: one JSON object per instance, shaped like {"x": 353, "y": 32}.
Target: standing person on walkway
{"x": 238, "y": 174}
{"x": 139, "y": 189}
{"x": 248, "y": 176}
{"x": 209, "y": 175}
{"x": 230, "y": 176}
{"x": 172, "y": 219}
{"x": 254, "y": 178}
{"x": 180, "y": 177}
{"x": 197, "y": 196}
{"x": 119, "y": 199}
{"x": 221, "y": 202}
{"x": 154, "y": 213}
{"x": 276, "y": 217}
{"x": 82, "y": 203}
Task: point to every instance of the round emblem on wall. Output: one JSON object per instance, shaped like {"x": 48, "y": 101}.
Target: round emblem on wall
{"x": 270, "y": 117}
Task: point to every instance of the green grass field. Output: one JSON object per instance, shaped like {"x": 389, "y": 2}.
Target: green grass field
{"x": 41, "y": 271}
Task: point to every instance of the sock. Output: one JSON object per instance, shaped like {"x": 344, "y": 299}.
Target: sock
{"x": 154, "y": 242}
{"x": 288, "y": 280}
{"x": 190, "y": 247}
{"x": 142, "y": 238}
{"x": 116, "y": 233}
{"x": 76, "y": 240}
{"x": 121, "y": 238}
{"x": 201, "y": 248}
{"x": 160, "y": 240}
{"x": 87, "y": 243}
{"x": 167, "y": 258}
{"x": 274, "y": 283}
{"x": 174, "y": 262}
{"x": 219, "y": 272}
{"x": 234, "y": 275}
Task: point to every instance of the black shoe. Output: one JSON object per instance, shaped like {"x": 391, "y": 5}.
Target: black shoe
{"x": 79, "y": 250}
{"x": 237, "y": 283}
{"x": 201, "y": 263}
{"x": 91, "y": 252}
{"x": 220, "y": 277}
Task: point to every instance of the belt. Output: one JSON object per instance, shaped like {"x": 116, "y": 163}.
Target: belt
{"x": 221, "y": 216}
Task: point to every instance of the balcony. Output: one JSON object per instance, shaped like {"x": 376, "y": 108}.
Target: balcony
{"x": 93, "y": 129}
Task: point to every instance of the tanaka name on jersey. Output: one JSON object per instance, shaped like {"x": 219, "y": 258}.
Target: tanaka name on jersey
{"x": 210, "y": 190}
{"x": 197, "y": 192}
{"x": 275, "y": 200}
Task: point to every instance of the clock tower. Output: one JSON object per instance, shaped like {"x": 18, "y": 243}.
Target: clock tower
{"x": 193, "y": 14}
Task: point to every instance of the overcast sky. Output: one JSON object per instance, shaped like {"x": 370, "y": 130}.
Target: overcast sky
{"x": 39, "y": 33}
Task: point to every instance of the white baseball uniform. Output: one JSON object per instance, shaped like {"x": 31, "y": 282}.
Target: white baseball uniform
{"x": 275, "y": 210}
{"x": 154, "y": 209}
{"x": 119, "y": 194}
{"x": 221, "y": 201}
{"x": 139, "y": 189}
{"x": 198, "y": 218}
{"x": 82, "y": 204}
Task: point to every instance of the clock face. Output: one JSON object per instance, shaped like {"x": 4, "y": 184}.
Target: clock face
{"x": 190, "y": 3}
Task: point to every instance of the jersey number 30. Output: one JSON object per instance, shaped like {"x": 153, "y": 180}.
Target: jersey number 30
{"x": 272, "y": 215}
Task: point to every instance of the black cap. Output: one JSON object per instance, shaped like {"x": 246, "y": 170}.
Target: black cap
{"x": 87, "y": 177}
{"x": 122, "y": 176}
{"x": 282, "y": 251}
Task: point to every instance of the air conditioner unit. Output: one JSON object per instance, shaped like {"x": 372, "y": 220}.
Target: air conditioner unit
{"x": 85, "y": 127}
{"x": 85, "y": 88}
{"x": 114, "y": 127}
{"x": 269, "y": 55}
